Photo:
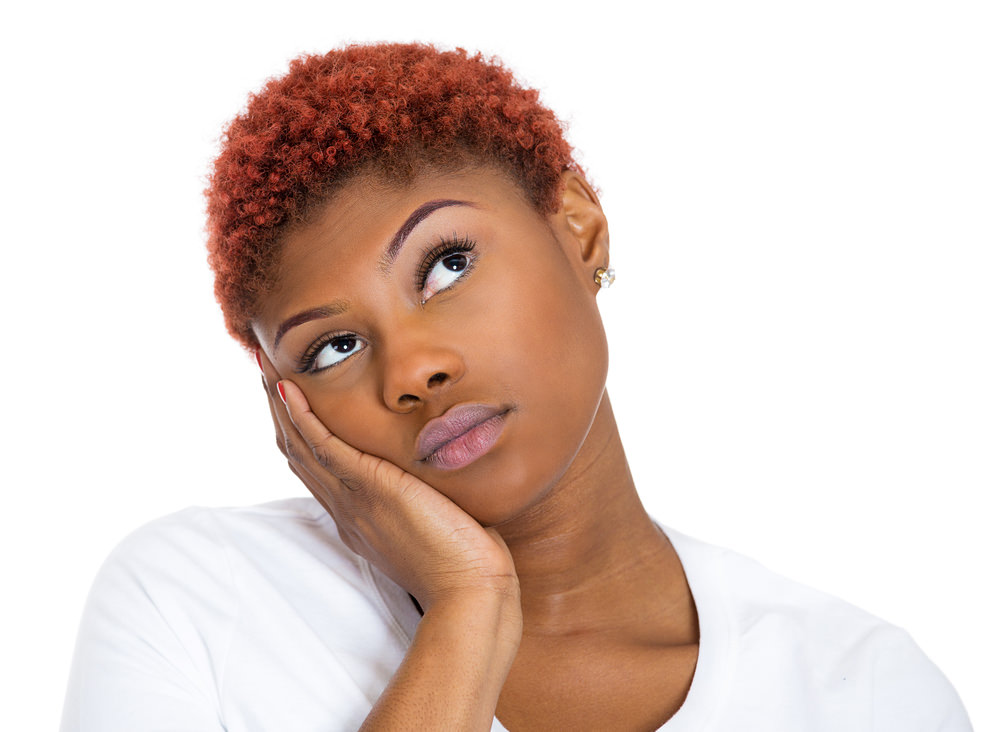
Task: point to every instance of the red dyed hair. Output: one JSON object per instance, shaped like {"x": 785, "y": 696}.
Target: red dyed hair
{"x": 387, "y": 108}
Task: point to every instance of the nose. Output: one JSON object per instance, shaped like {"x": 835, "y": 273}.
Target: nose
{"x": 416, "y": 372}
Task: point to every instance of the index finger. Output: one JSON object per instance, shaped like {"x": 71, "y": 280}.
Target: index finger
{"x": 290, "y": 440}
{"x": 331, "y": 453}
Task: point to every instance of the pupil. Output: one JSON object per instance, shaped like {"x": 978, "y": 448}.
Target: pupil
{"x": 345, "y": 345}
{"x": 456, "y": 262}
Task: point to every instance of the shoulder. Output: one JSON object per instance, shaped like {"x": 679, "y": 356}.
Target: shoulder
{"x": 198, "y": 533}
{"x": 200, "y": 542}
{"x": 202, "y": 558}
{"x": 191, "y": 619}
{"x": 808, "y": 655}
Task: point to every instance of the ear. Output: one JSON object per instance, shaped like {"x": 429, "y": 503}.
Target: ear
{"x": 581, "y": 226}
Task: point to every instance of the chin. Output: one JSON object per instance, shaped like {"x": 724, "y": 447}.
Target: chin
{"x": 503, "y": 487}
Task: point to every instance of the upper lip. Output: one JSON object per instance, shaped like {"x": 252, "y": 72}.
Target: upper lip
{"x": 454, "y": 423}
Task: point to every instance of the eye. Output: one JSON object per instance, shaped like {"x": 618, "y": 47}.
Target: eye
{"x": 331, "y": 351}
{"x": 445, "y": 266}
{"x": 444, "y": 274}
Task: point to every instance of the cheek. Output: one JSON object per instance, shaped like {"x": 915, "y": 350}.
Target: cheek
{"x": 552, "y": 336}
{"x": 551, "y": 349}
{"x": 351, "y": 415}
{"x": 572, "y": 371}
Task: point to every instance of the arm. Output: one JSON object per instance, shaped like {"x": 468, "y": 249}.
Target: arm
{"x": 154, "y": 631}
{"x": 910, "y": 691}
{"x": 453, "y": 673}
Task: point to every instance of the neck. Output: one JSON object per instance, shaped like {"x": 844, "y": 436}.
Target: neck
{"x": 588, "y": 556}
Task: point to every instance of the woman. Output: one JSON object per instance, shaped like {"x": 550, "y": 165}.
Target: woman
{"x": 402, "y": 238}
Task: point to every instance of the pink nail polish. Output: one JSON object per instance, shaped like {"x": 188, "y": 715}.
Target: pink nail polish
{"x": 260, "y": 364}
{"x": 281, "y": 393}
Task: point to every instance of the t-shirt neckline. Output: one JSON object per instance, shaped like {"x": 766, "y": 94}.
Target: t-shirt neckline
{"x": 712, "y": 676}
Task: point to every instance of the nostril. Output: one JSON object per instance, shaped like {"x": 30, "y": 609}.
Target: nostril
{"x": 438, "y": 378}
{"x": 408, "y": 400}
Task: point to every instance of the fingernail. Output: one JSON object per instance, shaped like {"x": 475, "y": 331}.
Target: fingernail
{"x": 260, "y": 364}
{"x": 281, "y": 393}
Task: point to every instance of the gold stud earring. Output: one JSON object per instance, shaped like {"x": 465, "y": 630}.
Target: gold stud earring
{"x": 604, "y": 276}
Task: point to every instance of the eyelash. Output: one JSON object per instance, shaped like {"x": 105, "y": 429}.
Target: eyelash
{"x": 432, "y": 256}
{"x": 309, "y": 357}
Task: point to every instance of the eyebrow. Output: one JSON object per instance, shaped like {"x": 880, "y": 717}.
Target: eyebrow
{"x": 325, "y": 311}
{"x": 385, "y": 262}
{"x": 422, "y": 212}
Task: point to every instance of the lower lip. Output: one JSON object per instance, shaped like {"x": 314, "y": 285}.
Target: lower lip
{"x": 470, "y": 446}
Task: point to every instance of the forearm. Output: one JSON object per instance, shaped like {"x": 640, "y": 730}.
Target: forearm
{"x": 452, "y": 675}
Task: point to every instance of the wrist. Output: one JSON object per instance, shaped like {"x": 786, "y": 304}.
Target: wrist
{"x": 456, "y": 666}
{"x": 491, "y": 611}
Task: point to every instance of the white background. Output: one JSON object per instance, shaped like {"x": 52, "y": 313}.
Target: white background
{"x": 805, "y": 331}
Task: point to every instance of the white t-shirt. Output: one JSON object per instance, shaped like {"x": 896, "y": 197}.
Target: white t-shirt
{"x": 261, "y": 619}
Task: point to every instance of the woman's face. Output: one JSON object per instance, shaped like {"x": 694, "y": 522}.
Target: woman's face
{"x": 448, "y": 327}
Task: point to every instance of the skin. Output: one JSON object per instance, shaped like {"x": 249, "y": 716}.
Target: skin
{"x": 551, "y": 599}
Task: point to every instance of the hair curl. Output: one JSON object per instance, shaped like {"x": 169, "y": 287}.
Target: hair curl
{"x": 386, "y": 107}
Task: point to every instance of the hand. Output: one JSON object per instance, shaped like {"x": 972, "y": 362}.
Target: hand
{"x": 414, "y": 534}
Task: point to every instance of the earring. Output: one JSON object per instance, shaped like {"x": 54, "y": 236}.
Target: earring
{"x": 605, "y": 277}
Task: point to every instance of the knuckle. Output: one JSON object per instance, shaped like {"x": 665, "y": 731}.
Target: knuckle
{"x": 291, "y": 451}
{"x": 409, "y": 487}
{"x": 349, "y": 471}
{"x": 352, "y": 483}
{"x": 356, "y": 465}
{"x": 323, "y": 457}
{"x": 377, "y": 472}
{"x": 380, "y": 472}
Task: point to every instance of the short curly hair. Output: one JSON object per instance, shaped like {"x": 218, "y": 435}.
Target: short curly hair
{"x": 387, "y": 108}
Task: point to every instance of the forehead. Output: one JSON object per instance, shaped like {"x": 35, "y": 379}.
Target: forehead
{"x": 371, "y": 207}
{"x": 352, "y": 229}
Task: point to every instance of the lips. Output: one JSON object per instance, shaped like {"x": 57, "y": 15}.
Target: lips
{"x": 461, "y": 435}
